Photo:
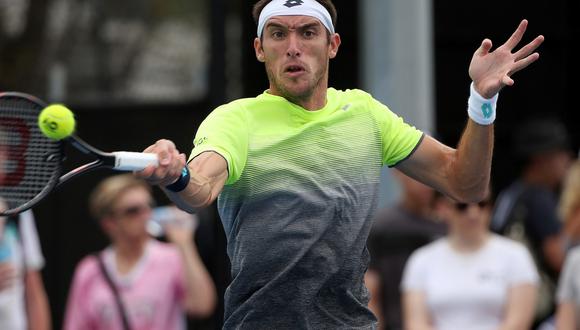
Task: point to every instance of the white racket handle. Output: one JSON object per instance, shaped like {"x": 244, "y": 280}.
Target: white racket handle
{"x": 134, "y": 161}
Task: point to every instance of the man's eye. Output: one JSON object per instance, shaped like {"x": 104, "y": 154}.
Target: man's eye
{"x": 309, "y": 34}
{"x": 277, "y": 34}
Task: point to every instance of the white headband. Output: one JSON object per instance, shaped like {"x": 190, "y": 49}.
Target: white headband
{"x": 295, "y": 8}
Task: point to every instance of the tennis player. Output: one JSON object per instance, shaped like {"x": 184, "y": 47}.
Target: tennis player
{"x": 297, "y": 170}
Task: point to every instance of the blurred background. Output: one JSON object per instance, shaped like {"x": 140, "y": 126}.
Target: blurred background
{"x": 135, "y": 71}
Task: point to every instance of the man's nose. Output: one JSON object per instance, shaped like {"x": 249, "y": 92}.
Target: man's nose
{"x": 293, "y": 46}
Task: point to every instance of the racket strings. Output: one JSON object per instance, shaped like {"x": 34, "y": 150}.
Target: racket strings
{"x": 31, "y": 161}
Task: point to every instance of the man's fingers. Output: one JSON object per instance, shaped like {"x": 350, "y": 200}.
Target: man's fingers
{"x": 164, "y": 157}
{"x": 521, "y": 64}
{"x": 170, "y": 164}
{"x": 529, "y": 48}
{"x": 516, "y": 37}
{"x": 166, "y": 174}
{"x": 149, "y": 149}
{"x": 146, "y": 172}
{"x": 507, "y": 81}
{"x": 484, "y": 48}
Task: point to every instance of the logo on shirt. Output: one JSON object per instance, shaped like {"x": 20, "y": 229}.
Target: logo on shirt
{"x": 293, "y": 3}
{"x": 486, "y": 110}
{"x": 345, "y": 107}
{"x": 489, "y": 276}
{"x": 200, "y": 141}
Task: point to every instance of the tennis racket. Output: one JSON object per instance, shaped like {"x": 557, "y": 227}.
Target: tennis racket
{"x": 33, "y": 163}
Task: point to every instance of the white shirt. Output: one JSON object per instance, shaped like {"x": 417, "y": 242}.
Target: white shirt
{"x": 468, "y": 290}
{"x": 21, "y": 248}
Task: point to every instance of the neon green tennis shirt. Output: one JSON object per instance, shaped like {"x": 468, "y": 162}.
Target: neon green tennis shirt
{"x": 298, "y": 202}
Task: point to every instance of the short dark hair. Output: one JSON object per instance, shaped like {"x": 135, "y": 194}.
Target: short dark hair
{"x": 259, "y": 6}
{"x": 539, "y": 135}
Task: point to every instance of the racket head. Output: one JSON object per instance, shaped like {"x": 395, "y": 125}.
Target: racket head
{"x": 31, "y": 162}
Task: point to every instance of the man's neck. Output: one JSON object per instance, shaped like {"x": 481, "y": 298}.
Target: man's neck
{"x": 316, "y": 101}
{"x": 311, "y": 102}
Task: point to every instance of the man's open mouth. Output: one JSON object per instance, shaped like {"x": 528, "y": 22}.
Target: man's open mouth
{"x": 294, "y": 69}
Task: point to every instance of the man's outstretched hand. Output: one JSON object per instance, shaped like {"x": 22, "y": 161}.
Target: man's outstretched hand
{"x": 491, "y": 71}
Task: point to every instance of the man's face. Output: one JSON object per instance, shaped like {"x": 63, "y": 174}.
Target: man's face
{"x": 296, "y": 51}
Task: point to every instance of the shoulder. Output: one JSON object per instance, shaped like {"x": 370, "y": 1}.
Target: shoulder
{"x": 230, "y": 114}
{"x": 508, "y": 247}
{"x": 573, "y": 256}
{"x": 235, "y": 105}
{"x": 264, "y": 99}
{"x": 429, "y": 256}
{"x": 538, "y": 196}
{"x": 356, "y": 96}
{"x": 432, "y": 251}
{"x": 354, "y": 93}
{"x": 87, "y": 268}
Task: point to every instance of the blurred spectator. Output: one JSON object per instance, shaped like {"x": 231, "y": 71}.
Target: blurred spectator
{"x": 527, "y": 210}
{"x": 23, "y": 300}
{"x": 568, "y": 314}
{"x": 13, "y": 17}
{"x": 397, "y": 231}
{"x": 137, "y": 282}
{"x": 471, "y": 279}
{"x": 569, "y": 206}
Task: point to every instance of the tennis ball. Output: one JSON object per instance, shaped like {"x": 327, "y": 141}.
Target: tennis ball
{"x": 56, "y": 121}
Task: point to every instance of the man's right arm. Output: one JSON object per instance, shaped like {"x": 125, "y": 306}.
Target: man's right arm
{"x": 208, "y": 173}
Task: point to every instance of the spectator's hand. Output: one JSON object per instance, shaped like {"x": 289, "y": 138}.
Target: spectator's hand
{"x": 491, "y": 71}
{"x": 171, "y": 163}
{"x": 181, "y": 229}
{"x": 7, "y": 275}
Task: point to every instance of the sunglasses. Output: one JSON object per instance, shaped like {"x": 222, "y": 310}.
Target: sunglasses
{"x": 463, "y": 206}
{"x": 134, "y": 210}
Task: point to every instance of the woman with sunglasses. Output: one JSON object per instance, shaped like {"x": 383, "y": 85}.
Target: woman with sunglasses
{"x": 137, "y": 282}
{"x": 470, "y": 279}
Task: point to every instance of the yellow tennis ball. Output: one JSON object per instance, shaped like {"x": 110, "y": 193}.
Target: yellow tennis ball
{"x": 56, "y": 122}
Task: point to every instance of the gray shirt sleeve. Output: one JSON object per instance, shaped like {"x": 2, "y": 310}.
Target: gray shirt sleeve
{"x": 569, "y": 282}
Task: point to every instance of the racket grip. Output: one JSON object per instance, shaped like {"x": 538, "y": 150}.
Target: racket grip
{"x": 134, "y": 161}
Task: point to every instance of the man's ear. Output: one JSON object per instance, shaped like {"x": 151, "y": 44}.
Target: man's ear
{"x": 334, "y": 44}
{"x": 259, "y": 50}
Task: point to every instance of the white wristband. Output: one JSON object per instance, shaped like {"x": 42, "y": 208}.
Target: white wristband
{"x": 480, "y": 109}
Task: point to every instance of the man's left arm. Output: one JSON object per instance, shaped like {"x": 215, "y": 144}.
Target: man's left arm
{"x": 464, "y": 173}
